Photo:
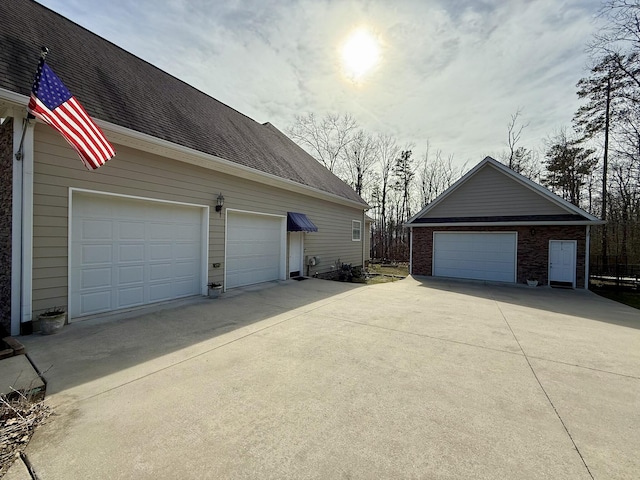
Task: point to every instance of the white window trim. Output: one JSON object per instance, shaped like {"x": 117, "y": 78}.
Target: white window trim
{"x": 353, "y": 224}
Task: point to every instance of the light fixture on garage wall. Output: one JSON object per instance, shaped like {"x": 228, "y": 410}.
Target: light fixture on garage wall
{"x": 532, "y": 232}
{"x": 219, "y": 204}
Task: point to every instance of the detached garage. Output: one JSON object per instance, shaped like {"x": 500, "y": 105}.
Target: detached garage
{"x": 496, "y": 225}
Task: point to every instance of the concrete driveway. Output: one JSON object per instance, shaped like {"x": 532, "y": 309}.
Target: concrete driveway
{"x": 414, "y": 379}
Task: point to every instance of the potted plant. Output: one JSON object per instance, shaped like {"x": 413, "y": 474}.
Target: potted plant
{"x": 52, "y": 320}
{"x": 215, "y": 289}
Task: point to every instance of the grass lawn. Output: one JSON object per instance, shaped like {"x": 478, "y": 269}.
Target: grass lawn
{"x": 628, "y": 298}
{"x": 386, "y": 272}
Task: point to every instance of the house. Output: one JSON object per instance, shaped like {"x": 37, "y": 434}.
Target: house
{"x": 496, "y": 225}
{"x": 197, "y": 192}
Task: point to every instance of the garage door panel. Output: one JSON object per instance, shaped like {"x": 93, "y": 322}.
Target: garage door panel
{"x": 95, "y": 278}
{"x": 480, "y": 256}
{"x": 131, "y": 231}
{"x": 160, "y": 292}
{"x": 160, "y": 271}
{"x": 130, "y": 275}
{"x": 131, "y": 253}
{"x": 96, "y": 254}
{"x": 94, "y": 302}
{"x": 187, "y": 251}
{"x": 97, "y": 230}
{"x": 159, "y": 231}
{"x": 131, "y": 296}
{"x": 148, "y": 251}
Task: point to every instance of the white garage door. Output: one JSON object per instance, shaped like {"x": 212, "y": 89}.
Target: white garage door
{"x": 479, "y": 256}
{"x": 255, "y": 248}
{"x": 128, "y": 252}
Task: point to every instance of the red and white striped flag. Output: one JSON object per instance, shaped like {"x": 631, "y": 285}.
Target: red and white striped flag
{"x": 52, "y": 102}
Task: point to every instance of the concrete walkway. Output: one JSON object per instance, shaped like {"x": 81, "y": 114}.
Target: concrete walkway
{"x": 414, "y": 379}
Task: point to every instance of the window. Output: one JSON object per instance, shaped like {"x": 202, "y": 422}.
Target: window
{"x": 356, "y": 230}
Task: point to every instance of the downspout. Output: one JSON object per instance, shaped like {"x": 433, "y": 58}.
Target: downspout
{"x": 22, "y": 227}
{"x": 410, "y": 250}
{"x": 587, "y": 256}
{"x": 362, "y": 236}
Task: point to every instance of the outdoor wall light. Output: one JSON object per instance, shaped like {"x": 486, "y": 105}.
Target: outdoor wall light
{"x": 219, "y": 204}
{"x": 533, "y": 232}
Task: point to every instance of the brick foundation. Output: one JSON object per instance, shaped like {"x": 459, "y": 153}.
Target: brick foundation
{"x": 533, "y": 248}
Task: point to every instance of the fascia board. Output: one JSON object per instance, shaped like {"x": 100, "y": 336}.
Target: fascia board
{"x": 501, "y": 224}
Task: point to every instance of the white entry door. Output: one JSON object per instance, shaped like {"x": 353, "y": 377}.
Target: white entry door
{"x": 256, "y": 248}
{"x": 562, "y": 261}
{"x": 296, "y": 247}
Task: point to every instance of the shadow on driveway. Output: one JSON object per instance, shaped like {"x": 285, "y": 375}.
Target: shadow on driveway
{"x": 100, "y": 347}
{"x": 556, "y": 300}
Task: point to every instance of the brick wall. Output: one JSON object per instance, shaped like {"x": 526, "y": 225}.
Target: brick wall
{"x": 6, "y": 182}
{"x": 533, "y": 248}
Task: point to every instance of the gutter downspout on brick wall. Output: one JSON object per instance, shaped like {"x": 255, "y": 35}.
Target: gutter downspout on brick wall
{"x": 587, "y": 254}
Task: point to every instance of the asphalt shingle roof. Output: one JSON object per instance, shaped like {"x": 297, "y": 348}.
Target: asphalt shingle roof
{"x": 118, "y": 87}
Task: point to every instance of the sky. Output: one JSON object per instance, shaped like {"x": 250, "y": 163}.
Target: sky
{"x": 450, "y": 73}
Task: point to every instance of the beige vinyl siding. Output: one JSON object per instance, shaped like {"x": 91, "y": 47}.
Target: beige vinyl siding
{"x": 136, "y": 173}
{"x": 491, "y": 193}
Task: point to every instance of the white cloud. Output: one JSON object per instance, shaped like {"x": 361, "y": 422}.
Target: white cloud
{"x": 451, "y": 72}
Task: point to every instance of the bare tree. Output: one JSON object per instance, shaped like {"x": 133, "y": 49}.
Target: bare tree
{"x": 360, "y": 157}
{"x": 436, "y": 174}
{"x": 514, "y": 130}
{"x": 326, "y": 139}
{"x": 518, "y": 158}
{"x": 388, "y": 151}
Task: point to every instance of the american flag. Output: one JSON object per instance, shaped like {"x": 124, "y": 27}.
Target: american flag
{"x": 52, "y": 102}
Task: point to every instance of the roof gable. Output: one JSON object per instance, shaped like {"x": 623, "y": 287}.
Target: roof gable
{"x": 491, "y": 192}
{"x": 118, "y": 87}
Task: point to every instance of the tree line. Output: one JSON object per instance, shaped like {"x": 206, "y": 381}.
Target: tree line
{"x": 394, "y": 180}
{"x": 594, "y": 163}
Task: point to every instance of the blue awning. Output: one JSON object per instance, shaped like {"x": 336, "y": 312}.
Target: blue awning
{"x": 298, "y": 222}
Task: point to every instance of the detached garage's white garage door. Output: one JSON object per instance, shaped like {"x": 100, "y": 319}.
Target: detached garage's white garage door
{"x": 479, "y": 256}
{"x": 255, "y": 248}
{"x": 128, "y": 252}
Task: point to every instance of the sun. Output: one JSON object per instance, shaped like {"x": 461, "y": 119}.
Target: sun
{"x": 360, "y": 54}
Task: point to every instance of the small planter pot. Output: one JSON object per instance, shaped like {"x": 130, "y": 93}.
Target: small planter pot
{"x": 214, "y": 292}
{"x": 532, "y": 283}
{"x": 50, "y": 324}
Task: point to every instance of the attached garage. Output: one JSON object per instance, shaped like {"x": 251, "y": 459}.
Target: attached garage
{"x": 255, "y": 248}
{"x": 127, "y": 252}
{"x": 475, "y": 255}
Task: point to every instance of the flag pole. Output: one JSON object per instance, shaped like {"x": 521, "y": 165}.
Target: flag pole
{"x": 20, "y": 154}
